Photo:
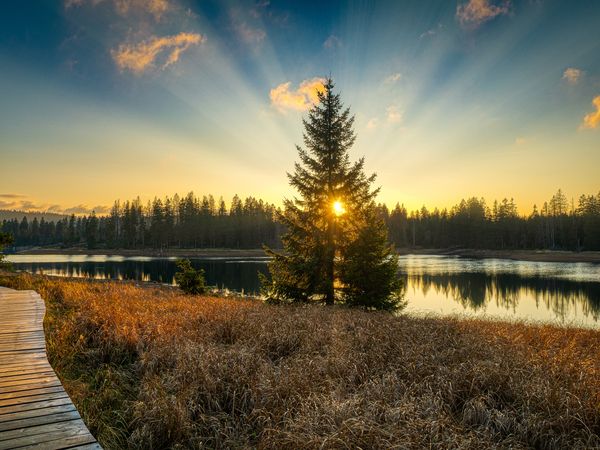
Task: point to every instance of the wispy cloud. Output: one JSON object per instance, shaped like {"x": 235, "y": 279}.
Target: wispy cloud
{"x": 16, "y": 202}
{"x": 283, "y": 98}
{"x": 393, "y": 114}
{"x": 145, "y": 55}
{"x": 332, "y": 42}
{"x": 249, "y": 34}
{"x": 12, "y": 196}
{"x": 592, "y": 120}
{"x": 84, "y": 209}
{"x": 123, "y": 7}
{"x": 247, "y": 25}
{"x": 572, "y": 75}
{"x": 373, "y": 123}
{"x": 431, "y": 32}
{"x": 262, "y": 10}
{"x": 475, "y": 12}
{"x": 393, "y": 78}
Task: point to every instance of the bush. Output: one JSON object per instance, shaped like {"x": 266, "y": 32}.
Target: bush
{"x": 5, "y": 240}
{"x": 190, "y": 280}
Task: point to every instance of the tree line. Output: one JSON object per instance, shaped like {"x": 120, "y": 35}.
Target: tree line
{"x": 557, "y": 225}
{"x": 182, "y": 222}
{"x": 202, "y": 222}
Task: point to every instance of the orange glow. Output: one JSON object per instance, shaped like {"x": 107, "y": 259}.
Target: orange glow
{"x": 338, "y": 208}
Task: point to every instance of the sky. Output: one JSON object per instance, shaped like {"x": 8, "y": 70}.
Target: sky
{"x": 113, "y": 99}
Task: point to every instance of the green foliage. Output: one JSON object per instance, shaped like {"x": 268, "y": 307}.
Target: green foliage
{"x": 5, "y": 240}
{"x": 318, "y": 243}
{"x": 190, "y": 280}
{"x": 369, "y": 267}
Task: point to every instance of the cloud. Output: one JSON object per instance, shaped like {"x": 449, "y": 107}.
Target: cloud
{"x": 137, "y": 58}
{"x": 520, "y": 140}
{"x": 248, "y": 34}
{"x": 12, "y": 196}
{"x": 18, "y": 202}
{"x": 393, "y": 114}
{"x": 300, "y": 99}
{"x": 432, "y": 31}
{"x": 84, "y": 209}
{"x": 372, "y": 123}
{"x": 393, "y": 78}
{"x": 592, "y": 120}
{"x": 259, "y": 8}
{"x": 572, "y": 75}
{"x": 332, "y": 42}
{"x": 475, "y": 12}
{"x": 123, "y": 7}
{"x": 7, "y": 205}
{"x": 262, "y": 10}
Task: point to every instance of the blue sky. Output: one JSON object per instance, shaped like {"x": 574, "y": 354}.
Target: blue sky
{"x": 107, "y": 99}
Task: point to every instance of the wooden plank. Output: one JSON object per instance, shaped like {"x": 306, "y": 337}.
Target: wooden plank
{"x": 36, "y": 429}
{"x": 34, "y": 405}
{"x": 4, "y": 381}
{"x": 23, "y": 365}
{"x": 40, "y": 420}
{"x": 68, "y": 433}
{"x": 22, "y": 373}
{"x": 24, "y": 359}
{"x": 37, "y": 412}
{"x": 10, "y": 334}
{"x": 21, "y": 346}
{"x": 94, "y": 446}
{"x": 20, "y": 337}
{"x": 30, "y": 392}
{"x": 64, "y": 443}
{"x": 26, "y": 387}
{"x": 32, "y": 398}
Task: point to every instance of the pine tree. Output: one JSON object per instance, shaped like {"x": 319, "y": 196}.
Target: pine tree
{"x": 328, "y": 217}
{"x": 369, "y": 265}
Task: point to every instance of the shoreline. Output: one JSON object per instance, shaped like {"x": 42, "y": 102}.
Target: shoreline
{"x": 517, "y": 255}
{"x": 177, "y": 252}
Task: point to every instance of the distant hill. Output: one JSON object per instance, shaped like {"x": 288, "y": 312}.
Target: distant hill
{"x": 6, "y": 214}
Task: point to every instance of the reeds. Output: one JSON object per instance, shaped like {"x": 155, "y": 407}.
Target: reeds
{"x": 150, "y": 368}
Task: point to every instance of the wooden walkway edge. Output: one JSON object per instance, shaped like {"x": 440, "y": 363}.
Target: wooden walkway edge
{"x": 35, "y": 410}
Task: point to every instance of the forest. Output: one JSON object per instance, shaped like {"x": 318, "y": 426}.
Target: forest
{"x": 203, "y": 222}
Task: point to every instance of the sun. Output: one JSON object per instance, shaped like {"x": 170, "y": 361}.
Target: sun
{"x": 338, "y": 208}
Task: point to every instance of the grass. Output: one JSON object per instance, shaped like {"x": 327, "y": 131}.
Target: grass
{"x": 150, "y": 368}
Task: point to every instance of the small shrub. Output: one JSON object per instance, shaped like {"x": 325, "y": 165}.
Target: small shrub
{"x": 5, "y": 241}
{"x": 190, "y": 280}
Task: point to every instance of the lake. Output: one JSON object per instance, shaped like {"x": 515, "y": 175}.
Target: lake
{"x": 565, "y": 293}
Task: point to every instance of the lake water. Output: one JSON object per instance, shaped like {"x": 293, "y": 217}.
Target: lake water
{"x": 565, "y": 293}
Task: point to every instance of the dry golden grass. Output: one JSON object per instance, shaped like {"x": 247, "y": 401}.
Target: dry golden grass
{"x": 150, "y": 368}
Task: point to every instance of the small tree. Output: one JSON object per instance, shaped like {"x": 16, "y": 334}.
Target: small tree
{"x": 368, "y": 267}
{"x": 5, "y": 239}
{"x": 190, "y": 280}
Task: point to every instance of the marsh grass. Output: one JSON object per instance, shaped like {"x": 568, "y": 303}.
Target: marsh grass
{"x": 151, "y": 368}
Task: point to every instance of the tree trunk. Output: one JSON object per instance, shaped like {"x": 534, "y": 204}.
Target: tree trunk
{"x": 329, "y": 291}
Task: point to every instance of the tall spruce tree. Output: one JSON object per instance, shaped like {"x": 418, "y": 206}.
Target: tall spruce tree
{"x": 327, "y": 222}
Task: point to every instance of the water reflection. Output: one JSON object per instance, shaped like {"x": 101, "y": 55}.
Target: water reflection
{"x": 239, "y": 275}
{"x": 554, "y": 292}
{"x": 479, "y": 292}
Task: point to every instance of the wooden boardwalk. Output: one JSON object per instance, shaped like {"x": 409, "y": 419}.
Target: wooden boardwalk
{"x": 35, "y": 410}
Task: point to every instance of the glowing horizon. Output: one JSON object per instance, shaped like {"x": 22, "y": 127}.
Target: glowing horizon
{"x": 113, "y": 100}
